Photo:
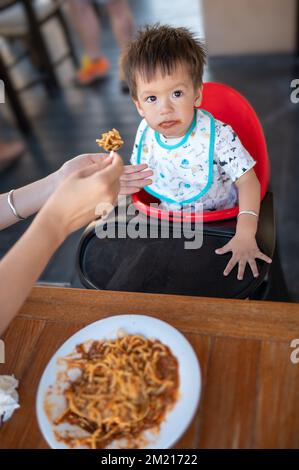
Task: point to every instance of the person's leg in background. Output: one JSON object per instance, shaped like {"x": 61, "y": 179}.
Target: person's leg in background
{"x": 123, "y": 26}
{"x": 95, "y": 64}
{"x": 122, "y": 22}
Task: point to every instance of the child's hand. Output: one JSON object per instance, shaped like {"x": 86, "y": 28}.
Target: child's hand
{"x": 134, "y": 178}
{"x": 244, "y": 250}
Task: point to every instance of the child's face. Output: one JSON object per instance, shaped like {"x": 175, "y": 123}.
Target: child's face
{"x": 167, "y": 103}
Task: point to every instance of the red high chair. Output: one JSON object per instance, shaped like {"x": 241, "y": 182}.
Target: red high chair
{"x": 163, "y": 266}
{"x": 229, "y": 106}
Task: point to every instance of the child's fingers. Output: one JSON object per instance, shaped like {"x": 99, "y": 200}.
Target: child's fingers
{"x": 125, "y": 191}
{"x": 252, "y": 264}
{"x": 241, "y": 269}
{"x": 263, "y": 257}
{"x": 225, "y": 249}
{"x": 132, "y": 187}
{"x": 146, "y": 182}
{"x": 230, "y": 265}
{"x": 136, "y": 176}
{"x": 136, "y": 184}
{"x": 135, "y": 168}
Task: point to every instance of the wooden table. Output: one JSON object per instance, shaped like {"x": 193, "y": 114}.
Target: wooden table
{"x": 250, "y": 396}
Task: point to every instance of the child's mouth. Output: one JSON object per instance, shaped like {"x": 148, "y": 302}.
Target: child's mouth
{"x": 168, "y": 124}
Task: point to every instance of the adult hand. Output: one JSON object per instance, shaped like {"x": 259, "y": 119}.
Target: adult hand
{"x": 77, "y": 201}
{"x": 77, "y": 163}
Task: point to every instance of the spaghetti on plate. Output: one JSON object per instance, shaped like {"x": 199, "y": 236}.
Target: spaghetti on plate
{"x": 126, "y": 386}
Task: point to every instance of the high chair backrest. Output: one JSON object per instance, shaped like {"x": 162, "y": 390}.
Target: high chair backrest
{"x": 229, "y": 106}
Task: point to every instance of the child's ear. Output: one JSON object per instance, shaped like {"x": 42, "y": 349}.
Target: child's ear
{"x": 138, "y": 107}
{"x": 198, "y": 98}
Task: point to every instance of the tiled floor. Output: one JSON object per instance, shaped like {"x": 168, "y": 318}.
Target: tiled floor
{"x": 68, "y": 126}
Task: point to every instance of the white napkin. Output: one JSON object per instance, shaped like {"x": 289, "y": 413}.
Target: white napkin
{"x": 9, "y": 397}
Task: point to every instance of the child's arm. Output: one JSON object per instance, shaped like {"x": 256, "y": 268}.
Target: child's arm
{"x": 243, "y": 245}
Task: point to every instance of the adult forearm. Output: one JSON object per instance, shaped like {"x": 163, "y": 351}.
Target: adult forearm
{"x": 27, "y": 200}
{"x": 72, "y": 205}
{"x": 23, "y": 264}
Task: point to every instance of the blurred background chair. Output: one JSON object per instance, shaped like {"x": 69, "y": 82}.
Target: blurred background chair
{"x": 22, "y": 37}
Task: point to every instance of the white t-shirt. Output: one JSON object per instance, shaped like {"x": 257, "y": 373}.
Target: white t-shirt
{"x": 198, "y": 168}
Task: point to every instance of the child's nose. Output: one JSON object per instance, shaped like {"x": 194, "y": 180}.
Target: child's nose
{"x": 166, "y": 106}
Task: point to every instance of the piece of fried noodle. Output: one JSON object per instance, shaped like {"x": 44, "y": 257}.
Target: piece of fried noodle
{"x": 127, "y": 386}
{"x": 110, "y": 140}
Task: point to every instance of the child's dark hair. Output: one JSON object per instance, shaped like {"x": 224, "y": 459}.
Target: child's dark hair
{"x": 163, "y": 47}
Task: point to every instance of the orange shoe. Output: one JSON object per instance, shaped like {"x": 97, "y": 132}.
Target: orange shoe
{"x": 92, "y": 70}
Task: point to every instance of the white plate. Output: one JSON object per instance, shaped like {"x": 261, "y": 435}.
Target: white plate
{"x": 178, "y": 419}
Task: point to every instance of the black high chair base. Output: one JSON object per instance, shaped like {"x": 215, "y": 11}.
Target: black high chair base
{"x": 164, "y": 266}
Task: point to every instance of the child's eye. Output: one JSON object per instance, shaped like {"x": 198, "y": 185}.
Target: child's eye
{"x": 151, "y": 99}
{"x": 177, "y": 93}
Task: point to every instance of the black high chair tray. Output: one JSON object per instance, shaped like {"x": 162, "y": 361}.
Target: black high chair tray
{"x": 164, "y": 266}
